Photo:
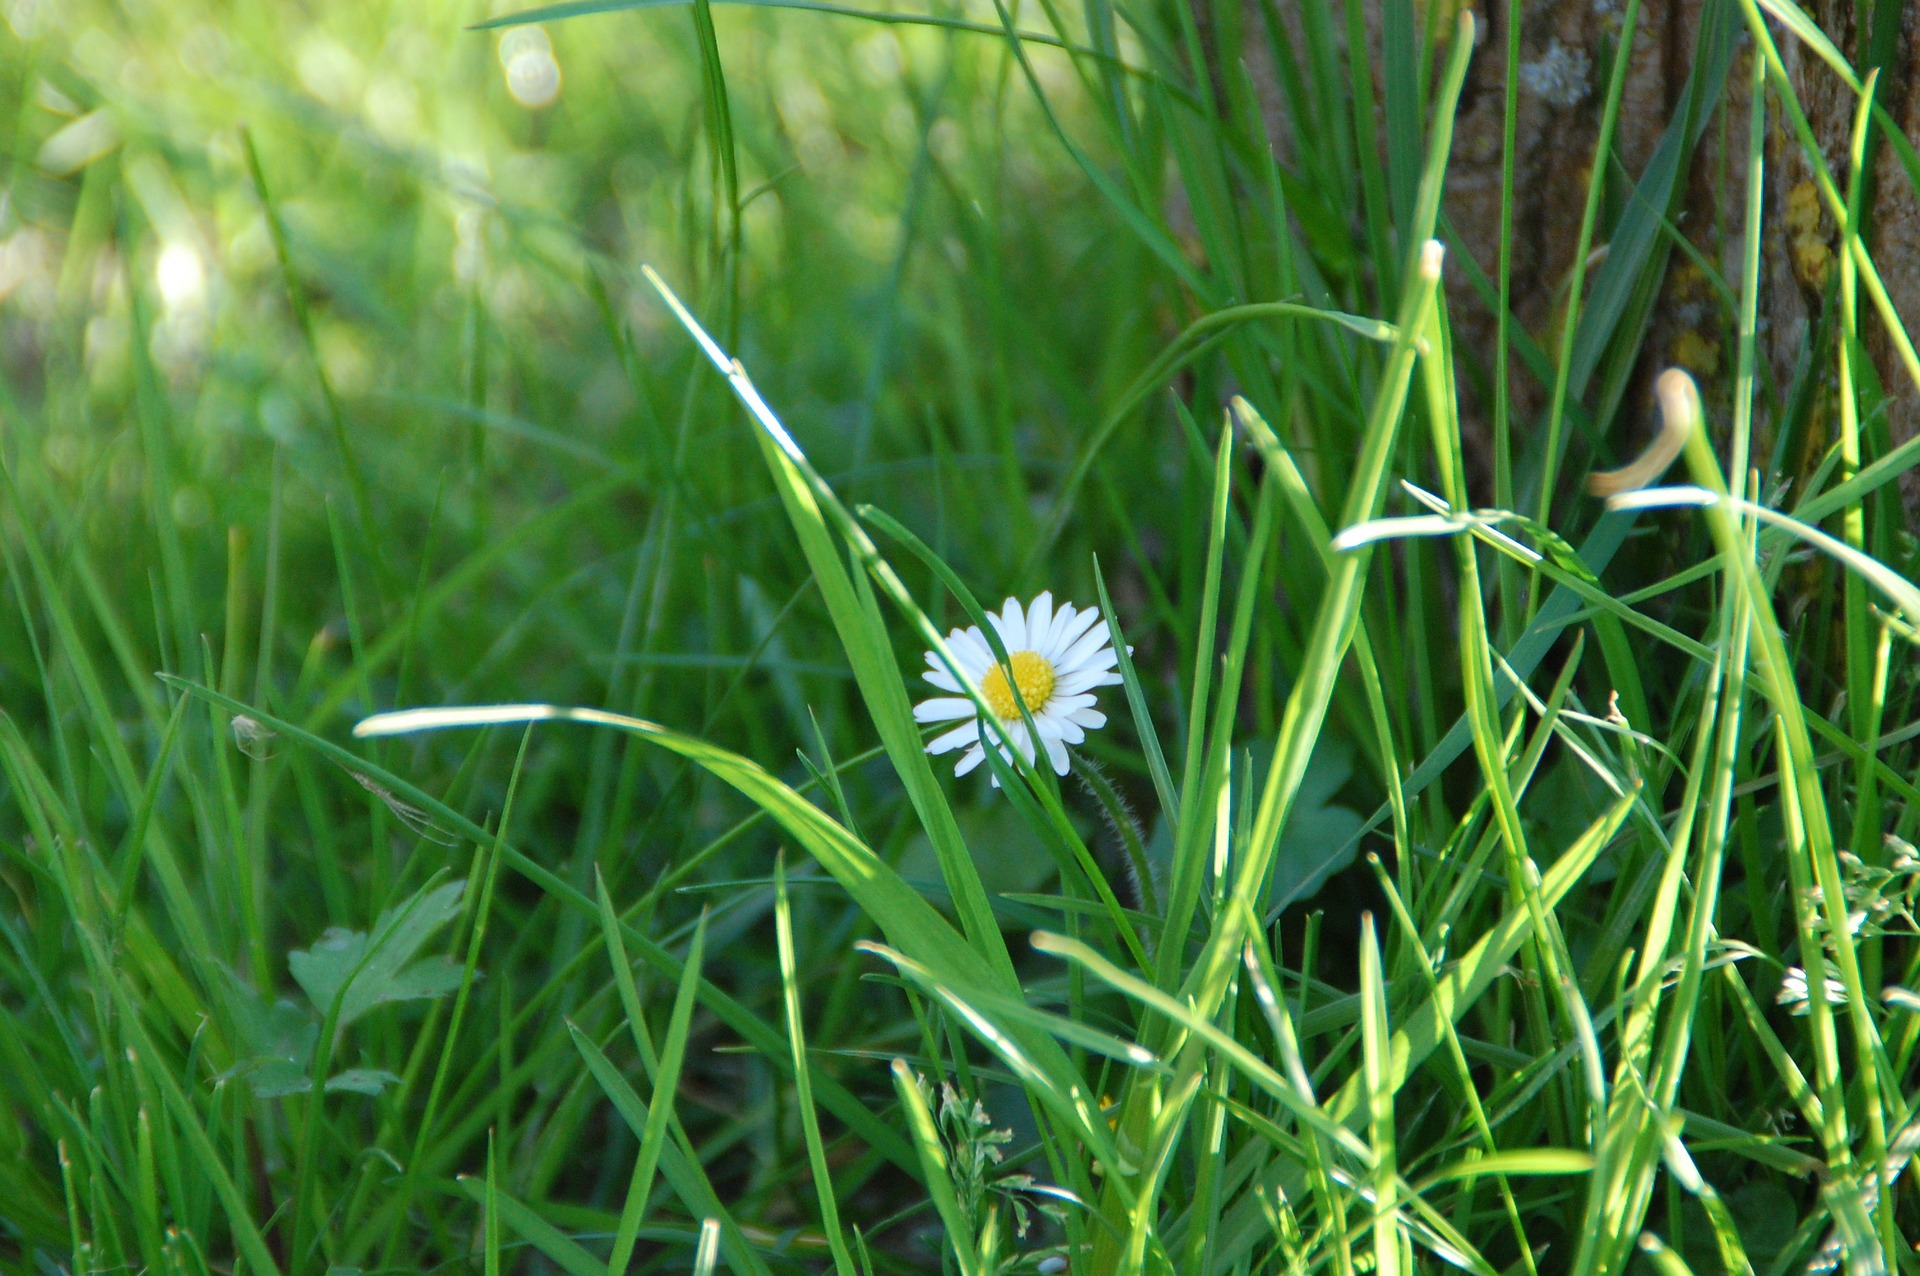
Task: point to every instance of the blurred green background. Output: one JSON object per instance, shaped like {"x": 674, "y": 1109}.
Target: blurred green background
{"x": 406, "y": 369}
{"x": 330, "y": 380}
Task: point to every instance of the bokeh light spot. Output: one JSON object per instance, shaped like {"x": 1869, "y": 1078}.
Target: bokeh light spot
{"x": 533, "y": 76}
{"x": 180, "y": 275}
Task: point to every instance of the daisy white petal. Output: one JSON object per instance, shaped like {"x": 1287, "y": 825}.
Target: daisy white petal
{"x": 1075, "y": 629}
{"x": 1092, "y": 719}
{"x": 943, "y": 680}
{"x": 1057, "y": 752}
{"x": 964, "y": 734}
{"x": 1014, "y": 616}
{"x": 969, "y": 647}
{"x": 943, "y": 709}
{"x": 1040, "y": 620}
{"x": 1084, "y": 653}
{"x": 1001, "y": 625}
{"x": 1043, "y": 637}
{"x": 973, "y": 758}
{"x": 1100, "y": 662}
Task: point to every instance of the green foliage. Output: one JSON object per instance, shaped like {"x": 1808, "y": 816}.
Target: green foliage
{"x": 349, "y": 972}
{"x": 1514, "y": 889}
{"x": 346, "y": 974}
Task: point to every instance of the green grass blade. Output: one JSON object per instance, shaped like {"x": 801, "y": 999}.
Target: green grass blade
{"x": 824, "y": 1191}
{"x": 679, "y": 1162}
{"x": 933, "y": 1160}
{"x": 666, "y": 1082}
{"x": 910, "y": 924}
{"x": 1137, "y": 704}
{"x": 246, "y": 1233}
{"x": 1377, "y": 1077}
{"x": 809, "y": 503}
{"x": 563, "y": 1251}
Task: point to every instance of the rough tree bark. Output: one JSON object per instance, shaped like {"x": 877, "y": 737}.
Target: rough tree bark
{"x": 1566, "y": 48}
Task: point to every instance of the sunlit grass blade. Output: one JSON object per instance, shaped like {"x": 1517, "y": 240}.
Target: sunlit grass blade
{"x": 1164, "y": 1139}
{"x": 1726, "y": 1233}
{"x": 1898, "y": 590}
{"x": 1487, "y": 1158}
{"x": 1333, "y": 628}
{"x": 986, "y": 1016}
{"x": 1184, "y": 1017}
{"x": 907, "y": 920}
{"x": 1188, "y": 868}
{"x": 1466, "y": 982}
{"x": 1814, "y": 868}
{"x": 894, "y": 905}
{"x": 914, "y": 1101}
{"x": 1376, "y": 1074}
{"x": 706, "y": 1255}
{"x": 810, "y": 503}
{"x": 1068, "y": 1029}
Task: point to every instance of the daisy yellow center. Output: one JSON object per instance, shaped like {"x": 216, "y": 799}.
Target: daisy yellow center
{"x": 1031, "y": 672}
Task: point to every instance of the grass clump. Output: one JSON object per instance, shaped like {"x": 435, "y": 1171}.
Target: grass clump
{"x": 1474, "y": 873}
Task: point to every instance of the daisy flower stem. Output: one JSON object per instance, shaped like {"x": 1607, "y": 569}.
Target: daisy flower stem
{"x": 1078, "y": 864}
{"x": 1126, "y": 828}
{"x": 1137, "y": 702}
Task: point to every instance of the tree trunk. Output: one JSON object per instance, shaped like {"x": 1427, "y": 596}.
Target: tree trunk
{"x": 1566, "y": 57}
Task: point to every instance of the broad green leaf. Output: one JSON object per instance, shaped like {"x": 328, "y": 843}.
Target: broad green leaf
{"x": 365, "y": 970}
{"x": 361, "y": 1081}
{"x": 281, "y": 1030}
{"x": 1320, "y": 837}
{"x": 274, "y": 1078}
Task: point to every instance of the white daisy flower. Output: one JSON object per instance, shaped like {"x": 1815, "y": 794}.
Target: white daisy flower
{"x": 1797, "y": 995}
{"x": 1054, "y": 658}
